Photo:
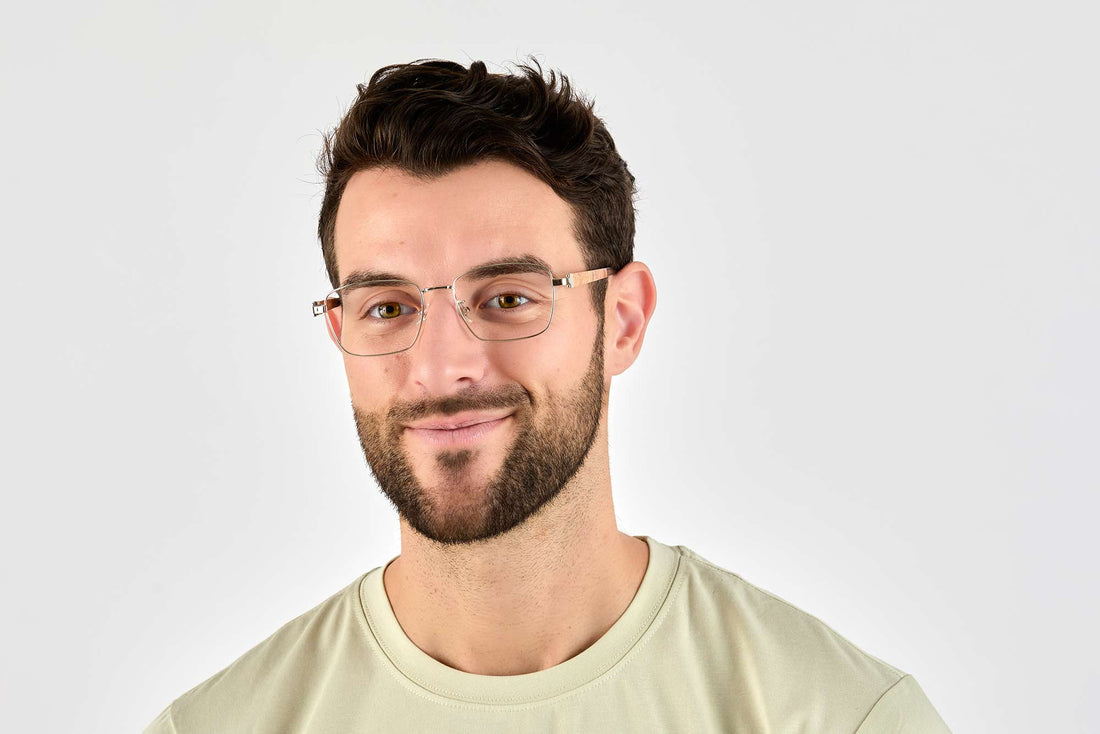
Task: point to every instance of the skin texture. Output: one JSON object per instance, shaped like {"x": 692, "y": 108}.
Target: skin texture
{"x": 511, "y": 560}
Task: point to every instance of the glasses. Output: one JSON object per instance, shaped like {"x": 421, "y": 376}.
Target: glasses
{"x": 497, "y": 302}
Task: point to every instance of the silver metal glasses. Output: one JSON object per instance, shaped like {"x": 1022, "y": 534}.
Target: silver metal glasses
{"x": 501, "y": 301}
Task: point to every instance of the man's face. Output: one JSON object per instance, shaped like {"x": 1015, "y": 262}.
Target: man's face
{"x": 530, "y": 408}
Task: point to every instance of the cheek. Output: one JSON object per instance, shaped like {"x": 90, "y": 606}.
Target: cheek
{"x": 371, "y": 382}
{"x": 557, "y": 356}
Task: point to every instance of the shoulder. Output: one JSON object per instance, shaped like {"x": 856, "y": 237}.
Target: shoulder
{"x": 163, "y": 724}
{"x": 903, "y": 708}
{"x": 771, "y": 622}
{"x": 295, "y": 654}
{"x": 800, "y": 668}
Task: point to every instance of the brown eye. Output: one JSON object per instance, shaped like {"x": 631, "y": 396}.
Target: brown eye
{"x": 508, "y": 301}
{"x": 386, "y": 311}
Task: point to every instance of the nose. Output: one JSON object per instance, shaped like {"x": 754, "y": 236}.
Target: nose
{"x": 447, "y": 356}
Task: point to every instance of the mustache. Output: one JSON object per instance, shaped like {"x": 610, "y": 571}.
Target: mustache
{"x": 505, "y": 396}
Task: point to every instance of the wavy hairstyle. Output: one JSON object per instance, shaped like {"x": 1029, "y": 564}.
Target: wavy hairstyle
{"x": 430, "y": 117}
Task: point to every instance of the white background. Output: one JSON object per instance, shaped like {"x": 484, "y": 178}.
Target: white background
{"x": 870, "y": 385}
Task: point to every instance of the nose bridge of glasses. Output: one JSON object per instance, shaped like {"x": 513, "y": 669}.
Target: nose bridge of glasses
{"x": 462, "y": 308}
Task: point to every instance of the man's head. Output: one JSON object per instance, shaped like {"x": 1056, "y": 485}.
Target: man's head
{"x": 434, "y": 171}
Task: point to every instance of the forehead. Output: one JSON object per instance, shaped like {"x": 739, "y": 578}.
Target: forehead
{"x": 430, "y": 230}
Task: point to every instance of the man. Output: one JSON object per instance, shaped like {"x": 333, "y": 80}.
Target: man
{"x": 478, "y": 233}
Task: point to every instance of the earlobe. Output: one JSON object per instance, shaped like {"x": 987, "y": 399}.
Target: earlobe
{"x": 631, "y": 300}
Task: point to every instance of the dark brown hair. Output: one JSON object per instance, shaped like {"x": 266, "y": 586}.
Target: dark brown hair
{"x": 430, "y": 117}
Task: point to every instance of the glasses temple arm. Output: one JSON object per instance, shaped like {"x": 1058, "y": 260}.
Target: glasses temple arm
{"x": 574, "y": 280}
{"x": 319, "y": 307}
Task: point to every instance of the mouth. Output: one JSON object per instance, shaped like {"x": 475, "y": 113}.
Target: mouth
{"x": 457, "y": 430}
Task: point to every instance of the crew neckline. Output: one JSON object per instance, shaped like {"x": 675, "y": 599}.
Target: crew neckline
{"x": 611, "y": 650}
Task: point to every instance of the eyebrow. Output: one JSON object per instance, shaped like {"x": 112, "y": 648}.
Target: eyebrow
{"x": 533, "y": 263}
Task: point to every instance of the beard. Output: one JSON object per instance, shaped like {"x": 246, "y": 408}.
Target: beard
{"x": 553, "y": 438}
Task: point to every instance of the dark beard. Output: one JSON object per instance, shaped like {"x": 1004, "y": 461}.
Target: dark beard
{"x": 547, "y": 453}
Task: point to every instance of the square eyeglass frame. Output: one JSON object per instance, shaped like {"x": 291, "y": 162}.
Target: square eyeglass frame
{"x": 569, "y": 280}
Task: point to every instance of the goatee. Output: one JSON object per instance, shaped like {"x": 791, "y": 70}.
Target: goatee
{"x": 554, "y": 436}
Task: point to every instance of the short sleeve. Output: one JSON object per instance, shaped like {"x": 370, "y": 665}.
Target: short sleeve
{"x": 904, "y": 709}
{"x": 163, "y": 724}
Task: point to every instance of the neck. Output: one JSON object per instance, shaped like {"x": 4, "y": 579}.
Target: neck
{"x": 530, "y": 598}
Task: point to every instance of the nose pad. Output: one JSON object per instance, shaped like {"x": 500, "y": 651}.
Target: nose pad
{"x": 464, "y": 311}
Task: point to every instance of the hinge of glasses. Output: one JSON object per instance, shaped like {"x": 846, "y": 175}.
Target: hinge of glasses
{"x": 318, "y": 308}
{"x": 569, "y": 280}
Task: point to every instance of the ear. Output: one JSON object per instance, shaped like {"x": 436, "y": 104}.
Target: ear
{"x": 628, "y": 307}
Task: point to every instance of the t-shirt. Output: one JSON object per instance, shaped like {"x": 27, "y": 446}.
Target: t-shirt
{"x": 698, "y": 649}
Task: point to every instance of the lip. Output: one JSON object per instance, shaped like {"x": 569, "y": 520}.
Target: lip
{"x": 458, "y": 420}
{"x": 456, "y": 430}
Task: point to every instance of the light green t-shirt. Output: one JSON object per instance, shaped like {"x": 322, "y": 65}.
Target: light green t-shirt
{"x": 697, "y": 650}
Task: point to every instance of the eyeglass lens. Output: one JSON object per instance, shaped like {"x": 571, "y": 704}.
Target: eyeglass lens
{"x": 382, "y": 317}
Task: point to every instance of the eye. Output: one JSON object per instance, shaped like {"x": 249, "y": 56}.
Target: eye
{"x": 388, "y": 311}
{"x": 506, "y": 301}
